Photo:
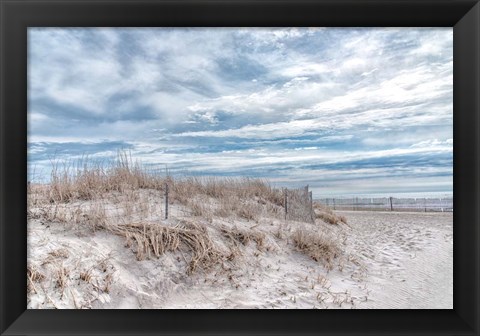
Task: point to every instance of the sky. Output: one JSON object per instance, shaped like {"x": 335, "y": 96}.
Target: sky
{"x": 346, "y": 111}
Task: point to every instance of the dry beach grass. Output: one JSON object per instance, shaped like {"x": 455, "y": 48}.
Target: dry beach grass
{"x": 98, "y": 238}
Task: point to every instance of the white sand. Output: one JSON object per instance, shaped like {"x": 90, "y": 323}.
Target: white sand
{"x": 391, "y": 260}
{"x": 409, "y": 256}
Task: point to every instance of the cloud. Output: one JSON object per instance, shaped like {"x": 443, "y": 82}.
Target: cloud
{"x": 296, "y": 105}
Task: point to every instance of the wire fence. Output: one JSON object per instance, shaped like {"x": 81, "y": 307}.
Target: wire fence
{"x": 157, "y": 205}
{"x": 298, "y": 204}
{"x": 389, "y": 204}
{"x": 153, "y": 209}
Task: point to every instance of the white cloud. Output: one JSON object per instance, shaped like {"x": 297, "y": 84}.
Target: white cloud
{"x": 435, "y": 143}
{"x": 288, "y": 96}
{"x": 264, "y": 131}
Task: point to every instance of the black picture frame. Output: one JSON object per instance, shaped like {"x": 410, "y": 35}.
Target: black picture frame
{"x": 17, "y": 15}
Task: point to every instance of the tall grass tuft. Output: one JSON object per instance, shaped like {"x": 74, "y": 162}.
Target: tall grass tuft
{"x": 87, "y": 180}
{"x": 327, "y": 215}
{"x": 318, "y": 246}
{"x": 153, "y": 239}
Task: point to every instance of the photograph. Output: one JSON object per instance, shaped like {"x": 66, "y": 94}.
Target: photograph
{"x": 239, "y": 168}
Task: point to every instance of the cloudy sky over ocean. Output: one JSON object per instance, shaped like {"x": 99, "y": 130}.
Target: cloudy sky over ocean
{"x": 347, "y": 111}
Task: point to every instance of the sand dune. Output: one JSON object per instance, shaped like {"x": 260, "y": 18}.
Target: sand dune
{"x": 217, "y": 250}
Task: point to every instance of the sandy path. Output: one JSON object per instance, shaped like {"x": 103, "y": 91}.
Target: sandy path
{"x": 409, "y": 257}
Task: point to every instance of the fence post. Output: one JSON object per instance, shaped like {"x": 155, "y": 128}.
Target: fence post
{"x": 425, "y": 204}
{"x": 285, "y": 202}
{"x": 166, "y": 200}
{"x": 391, "y": 204}
{"x": 311, "y": 206}
{"x": 356, "y": 203}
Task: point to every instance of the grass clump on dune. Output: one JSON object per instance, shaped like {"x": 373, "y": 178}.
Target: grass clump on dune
{"x": 218, "y": 188}
{"x": 244, "y": 197}
{"x": 327, "y": 215}
{"x": 33, "y": 276}
{"x": 87, "y": 180}
{"x": 152, "y": 238}
{"x": 244, "y": 236}
{"x": 317, "y": 246}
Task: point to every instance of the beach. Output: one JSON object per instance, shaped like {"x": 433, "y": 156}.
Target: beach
{"x": 379, "y": 260}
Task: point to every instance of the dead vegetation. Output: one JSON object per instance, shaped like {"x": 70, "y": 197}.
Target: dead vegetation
{"x": 86, "y": 179}
{"x": 63, "y": 283}
{"x": 318, "y": 246}
{"x": 120, "y": 181}
{"x": 244, "y": 237}
{"x": 225, "y": 188}
{"x": 33, "y": 276}
{"x": 59, "y": 253}
{"x": 61, "y": 277}
{"x": 154, "y": 239}
{"x": 226, "y": 197}
{"x": 327, "y": 215}
{"x": 86, "y": 275}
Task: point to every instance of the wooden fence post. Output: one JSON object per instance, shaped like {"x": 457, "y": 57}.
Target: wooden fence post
{"x": 391, "y": 204}
{"x": 311, "y": 206}
{"x": 166, "y": 200}
{"x": 285, "y": 192}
